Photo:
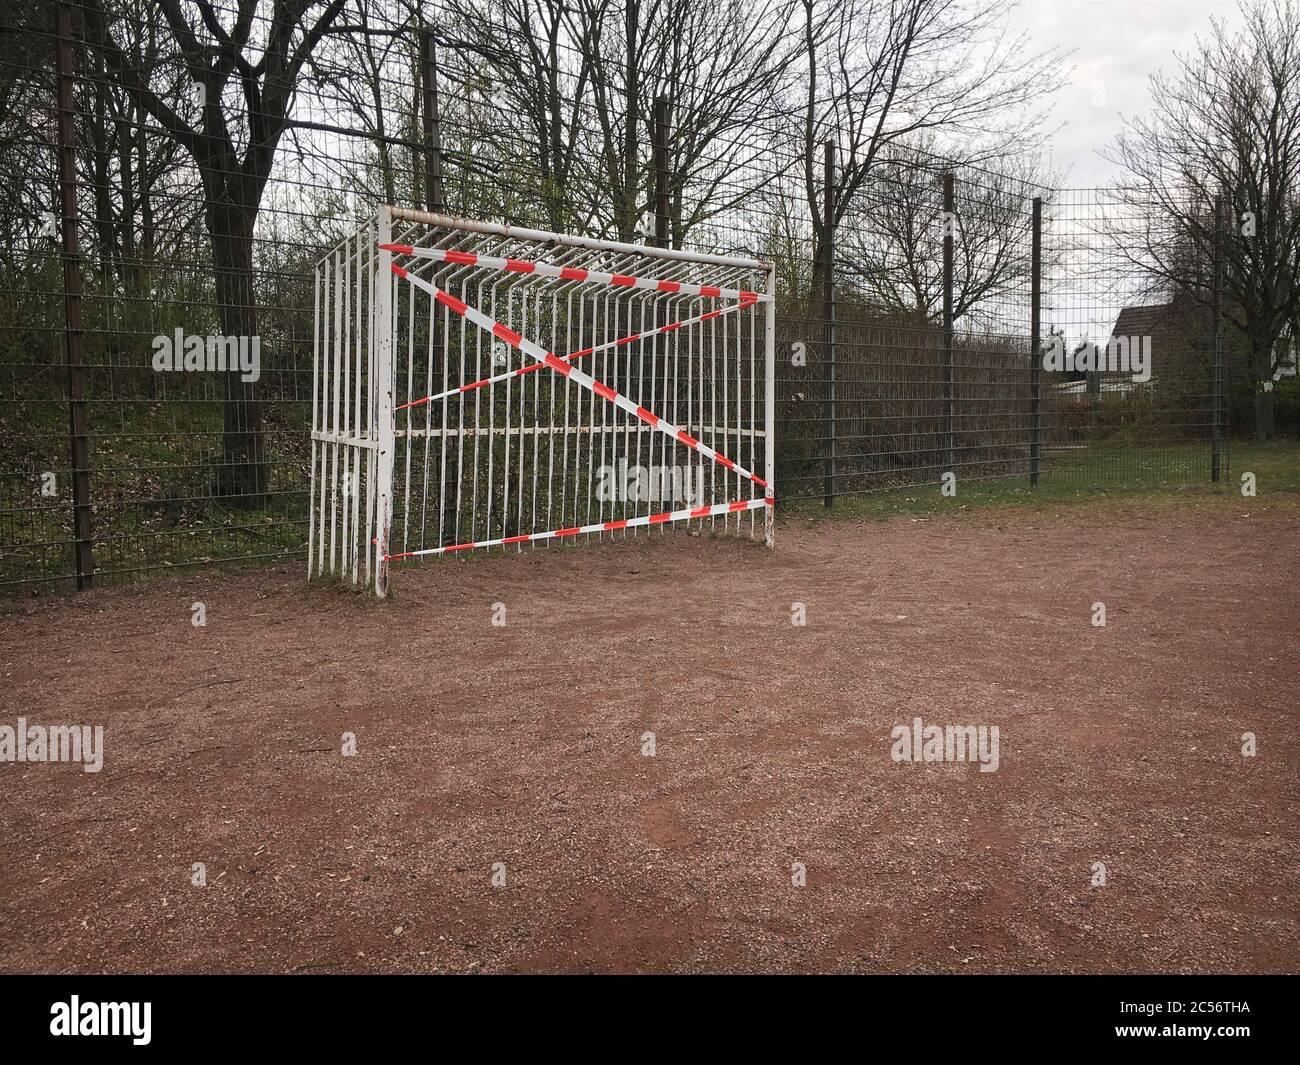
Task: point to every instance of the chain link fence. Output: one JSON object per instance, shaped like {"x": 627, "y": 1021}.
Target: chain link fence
{"x": 168, "y": 201}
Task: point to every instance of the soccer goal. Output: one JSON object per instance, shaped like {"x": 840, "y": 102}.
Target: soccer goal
{"x": 479, "y": 386}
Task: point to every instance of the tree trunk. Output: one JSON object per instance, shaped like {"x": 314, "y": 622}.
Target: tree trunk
{"x": 413, "y": 131}
{"x": 817, "y": 283}
{"x": 145, "y": 283}
{"x": 130, "y": 265}
{"x": 243, "y": 476}
{"x": 818, "y": 278}
{"x": 553, "y": 190}
{"x": 98, "y": 122}
{"x": 146, "y": 195}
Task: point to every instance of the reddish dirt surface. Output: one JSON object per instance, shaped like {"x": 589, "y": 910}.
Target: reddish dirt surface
{"x": 522, "y": 745}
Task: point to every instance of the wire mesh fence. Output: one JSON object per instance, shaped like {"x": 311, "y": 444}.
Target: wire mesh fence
{"x": 924, "y": 350}
{"x": 190, "y": 180}
{"x": 1135, "y": 401}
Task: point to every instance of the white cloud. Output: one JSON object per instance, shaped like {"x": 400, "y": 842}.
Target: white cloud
{"x": 1118, "y": 44}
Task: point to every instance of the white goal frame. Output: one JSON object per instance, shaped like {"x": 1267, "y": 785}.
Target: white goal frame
{"x": 479, "y": 386}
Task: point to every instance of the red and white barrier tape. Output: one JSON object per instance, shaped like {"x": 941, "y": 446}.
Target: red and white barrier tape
{"x": 710, "y": 511}
{"x": 620, "y": 342}
{"x": 573, "y": 273}
{"x": 570, "y": 371}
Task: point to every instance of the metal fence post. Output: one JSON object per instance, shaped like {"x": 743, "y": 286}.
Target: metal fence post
{"x": 1216, "y": 358}
{"x": 769, "y": 404}
{"x": 435, "y": 203}
{"x": 663, "y": 233}
{"x": 385, "y": 431}
{"x": 949, "y": 225}
{"x": 828, "y": 312}
{"x": 1035, "y": 340}
{"x": 77, "y": 427}
{"x": 433, "y": 198}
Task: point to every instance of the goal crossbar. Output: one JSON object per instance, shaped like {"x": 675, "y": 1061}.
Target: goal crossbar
{"x": 574, "y": 273}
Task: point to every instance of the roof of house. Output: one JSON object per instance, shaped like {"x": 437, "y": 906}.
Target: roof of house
{"x": 1144, "y": 321}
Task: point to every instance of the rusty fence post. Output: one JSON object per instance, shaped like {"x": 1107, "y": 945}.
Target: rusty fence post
{"x": 78, "y": 436}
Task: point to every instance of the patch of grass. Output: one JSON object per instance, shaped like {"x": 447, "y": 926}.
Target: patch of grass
{"x": 152, "y": 520}
{"x": 1158, "y": 476}
{"x": 1275, "y": 464}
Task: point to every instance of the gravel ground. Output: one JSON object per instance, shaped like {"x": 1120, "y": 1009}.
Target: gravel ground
{"x": 523, "y": 745}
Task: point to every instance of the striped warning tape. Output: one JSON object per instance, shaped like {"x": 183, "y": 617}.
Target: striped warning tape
{"x": 710, "y": 511}
{"x": 620, "y": 342}
{"x": 573, "y": 273}
{"x": 570, "y": 371}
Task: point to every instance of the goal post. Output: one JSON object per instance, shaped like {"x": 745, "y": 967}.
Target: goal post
{"x": 479, "y": 386}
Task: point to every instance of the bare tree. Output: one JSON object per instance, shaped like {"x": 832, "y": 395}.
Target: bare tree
{"x": 574, "y": 84}
{"x": 26, "y": 86}
{"x": 620, "y": 45}
{"x": 246, "y": 58}
{"x": 538, "y": 55}
{"x": 880, "y": 72}
{"x": 356, "y": 80}
{"x": 1226, "y": 122}
{"x": 719, "y": 64}
{"x": 893, "y": 246}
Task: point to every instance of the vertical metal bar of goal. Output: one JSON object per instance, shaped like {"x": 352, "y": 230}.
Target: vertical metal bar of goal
{"x": 382, "y": 308}
{"x": 368, "y": 424}
{"x": 1035, "y": 340}
{"x": 323, "y": 454}
{"x": 336, "y": 448}
{"x": 360, "y": 536}
{"x": 347, "y": 452}
{"x": 315, "y": 418}
{"x": 769, "y": 406}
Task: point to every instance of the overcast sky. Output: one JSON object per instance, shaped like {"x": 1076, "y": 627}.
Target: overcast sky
{"x": 1117, "y": 44}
